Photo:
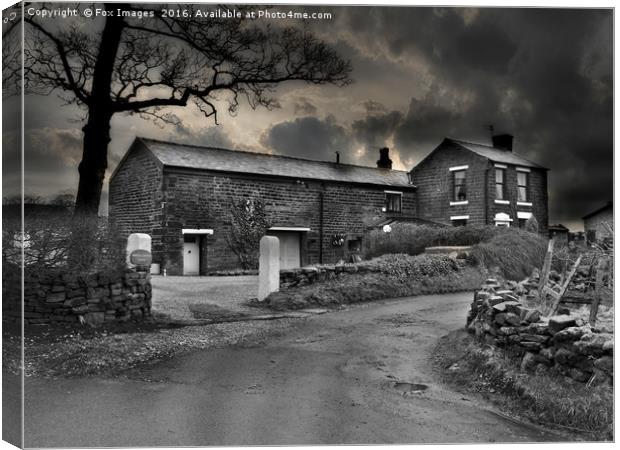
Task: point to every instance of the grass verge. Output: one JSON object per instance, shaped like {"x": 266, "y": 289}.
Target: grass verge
{"x": 543, "y": 398}
{"x": 84, "y": 351}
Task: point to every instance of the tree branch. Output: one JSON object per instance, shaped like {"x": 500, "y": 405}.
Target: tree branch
{"x": 72, "y": 85}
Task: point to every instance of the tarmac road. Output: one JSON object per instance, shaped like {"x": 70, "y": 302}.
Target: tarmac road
{"x": 333, "y": 380}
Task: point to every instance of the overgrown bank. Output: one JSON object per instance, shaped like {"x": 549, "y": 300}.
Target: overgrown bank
{"x": 406, "y": 272}
{"x": 543, "y": 398}
{"x": 385, "y": 277}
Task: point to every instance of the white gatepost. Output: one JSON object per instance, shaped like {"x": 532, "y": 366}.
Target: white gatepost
{"x": 138, "y": 250}
{"x": 268, "y": 266}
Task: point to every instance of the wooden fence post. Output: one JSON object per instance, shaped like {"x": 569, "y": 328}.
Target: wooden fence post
{"x": 544, "y": 275}
{"x": 564, "y": 286}
{"x": 601, "y": 269}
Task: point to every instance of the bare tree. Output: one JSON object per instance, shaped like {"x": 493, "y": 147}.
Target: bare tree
{"x": 146, "y": 66}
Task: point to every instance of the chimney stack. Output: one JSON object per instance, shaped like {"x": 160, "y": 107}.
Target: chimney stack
{"x": 503, "y": 141}
{"x": 384, "y": 161}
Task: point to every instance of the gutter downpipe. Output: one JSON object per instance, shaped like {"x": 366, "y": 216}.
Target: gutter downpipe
{"x": 321, "y": 227}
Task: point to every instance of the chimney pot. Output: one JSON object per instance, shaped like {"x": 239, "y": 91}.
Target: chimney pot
{"x": 384, "y": 161}
{"x": 503, "y": 141}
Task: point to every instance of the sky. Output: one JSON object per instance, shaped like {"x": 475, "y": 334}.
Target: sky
{"x": 419, "y": 75}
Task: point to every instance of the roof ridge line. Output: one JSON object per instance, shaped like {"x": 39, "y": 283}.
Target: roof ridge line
{"x": 265, "y": 154}
{"x": 473, "y": 143}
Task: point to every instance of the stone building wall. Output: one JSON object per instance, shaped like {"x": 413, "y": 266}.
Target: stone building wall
{"x": 52, "y": 297}
{"x": 201, "y": 200}
{"x": 135, "y": 204}
{"x": 435, "y": 185}
{"x": 435, "y": 189}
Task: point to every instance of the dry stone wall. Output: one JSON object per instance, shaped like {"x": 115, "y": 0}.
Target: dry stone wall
{"x": 563, "y": 343}
{"x": 111, "y": 296}
{"x": 319, "y": 273}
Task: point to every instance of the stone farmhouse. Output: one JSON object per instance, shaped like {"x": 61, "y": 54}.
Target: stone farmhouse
{"x": 181, "y": 195}
{"x": 462, "y": 183}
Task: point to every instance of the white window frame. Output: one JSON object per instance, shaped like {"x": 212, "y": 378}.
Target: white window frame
{"x": 459, "y": 217}
{"x": 462, "y": 202}
{"x": 523, "y": 169}
{"x": 524, "y": 203}
{"x": 502, "y": 202}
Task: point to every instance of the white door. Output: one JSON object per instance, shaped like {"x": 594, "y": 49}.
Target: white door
{"x": 290, "y": 255}
{"x": 191, "y": 258}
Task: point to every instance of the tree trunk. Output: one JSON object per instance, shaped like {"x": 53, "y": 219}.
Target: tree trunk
{"x": 94, "y": 162}
{"x": 100, "y": 110}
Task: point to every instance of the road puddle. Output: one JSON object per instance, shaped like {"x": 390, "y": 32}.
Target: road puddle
{"x": 408, "y": 388}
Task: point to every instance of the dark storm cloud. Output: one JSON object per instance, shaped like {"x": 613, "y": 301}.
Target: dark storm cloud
{"x": 374, "y": 130}
{"x": 310, "y": 137}
{"x": 543, "y": 75}
{"x": 51, "y": 155}
{"x": 421, "y": 74}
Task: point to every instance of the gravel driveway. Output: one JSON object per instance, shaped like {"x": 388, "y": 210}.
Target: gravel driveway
{"x": 194, "y": 297}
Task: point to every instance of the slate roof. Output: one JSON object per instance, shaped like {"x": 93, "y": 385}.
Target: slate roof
{"x": 609, "y": 205}
{"x": 217, "y": 159}
{"x": 496, "y": 155}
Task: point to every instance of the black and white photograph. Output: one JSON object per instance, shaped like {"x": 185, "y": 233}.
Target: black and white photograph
{"x": 307, "y": 224}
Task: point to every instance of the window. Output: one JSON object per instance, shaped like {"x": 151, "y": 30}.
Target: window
{"x": 522, "y": 184}
{"x": 500, "y": 184}
{"x": 460, "y": 191}
{"x": 459, "y": 221}
{"x": 502, "y": 220}
{"x": 523, "y": 217}
{"x": 393, "y": 201}
{"x": 355, "y": 245}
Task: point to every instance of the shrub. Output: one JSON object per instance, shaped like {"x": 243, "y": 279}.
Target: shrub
{"x": 53, "y": 238}
{"x": 413, "y": 239}
{"x": 514, "y": 252}
{"x": 531, "y": 224}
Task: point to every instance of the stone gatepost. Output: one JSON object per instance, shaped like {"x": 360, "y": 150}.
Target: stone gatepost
{"x": 139, "y": 251}
{"x": 268, "y": 266}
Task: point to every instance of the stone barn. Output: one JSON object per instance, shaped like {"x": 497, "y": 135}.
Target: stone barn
{"x": 182, "y": 196}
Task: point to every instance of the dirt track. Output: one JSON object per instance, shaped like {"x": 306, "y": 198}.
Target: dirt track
{"x": 338, "y": 378}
